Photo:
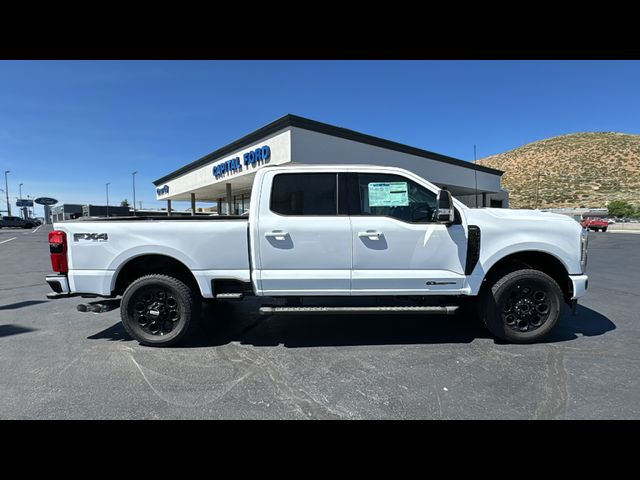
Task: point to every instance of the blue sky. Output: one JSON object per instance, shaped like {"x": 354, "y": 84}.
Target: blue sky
{"x": 68, "y": 127}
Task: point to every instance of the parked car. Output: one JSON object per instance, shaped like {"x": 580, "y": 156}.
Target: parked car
{"x": 595, "y": 224}
{"x": 329, "y": 231}
{"x": 7, "y": 222}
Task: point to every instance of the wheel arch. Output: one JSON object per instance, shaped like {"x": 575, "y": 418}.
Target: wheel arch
{"x": 538, "y": 260}
{"x": 148, "y": 264}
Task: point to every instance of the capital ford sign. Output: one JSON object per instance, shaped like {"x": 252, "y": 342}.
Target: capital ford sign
{"x": 162, "y": 190}
{"x": 235, "y": 165}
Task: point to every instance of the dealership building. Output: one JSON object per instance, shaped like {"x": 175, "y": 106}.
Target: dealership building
{"x": 225, "y": 176}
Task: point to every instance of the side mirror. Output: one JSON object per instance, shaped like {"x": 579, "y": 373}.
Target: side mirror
{"x": 445, "y": 211}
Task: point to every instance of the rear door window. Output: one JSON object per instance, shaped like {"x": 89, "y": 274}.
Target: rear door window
{"x": 305, "y": 194}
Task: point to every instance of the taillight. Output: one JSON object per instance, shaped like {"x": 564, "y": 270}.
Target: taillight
{"x": 58, "y": 251}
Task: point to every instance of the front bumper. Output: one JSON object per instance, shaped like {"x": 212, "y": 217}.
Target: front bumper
{"x": 579, "y": 285}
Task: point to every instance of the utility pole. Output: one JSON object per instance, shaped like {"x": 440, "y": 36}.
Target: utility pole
{"x": 134, "y": 192}
{"x": 109, "y": 183}
{"x": 475, "y": 174}
{"x": 22, "y": 208}
{"x": 6, "y": 190}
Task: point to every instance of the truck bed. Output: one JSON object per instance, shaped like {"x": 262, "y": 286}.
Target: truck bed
{"x": 190, "y": 218}
{"x": 211, "y": 247}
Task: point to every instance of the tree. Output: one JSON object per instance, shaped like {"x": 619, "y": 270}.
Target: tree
{"x": 125, "y": 203}
{"x": 620, "y": 208}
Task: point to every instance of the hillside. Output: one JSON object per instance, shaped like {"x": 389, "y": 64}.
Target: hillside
{"x": 576, "y": 170}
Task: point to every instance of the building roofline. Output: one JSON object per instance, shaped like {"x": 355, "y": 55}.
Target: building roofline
{"x": 290, "y": 120}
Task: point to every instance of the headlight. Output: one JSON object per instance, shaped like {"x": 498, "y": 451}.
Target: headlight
{"x": 584, "y": 240}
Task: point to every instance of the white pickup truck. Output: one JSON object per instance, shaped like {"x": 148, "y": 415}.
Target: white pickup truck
{"x": 330, "y": 231}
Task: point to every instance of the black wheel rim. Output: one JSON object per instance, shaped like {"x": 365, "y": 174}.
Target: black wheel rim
{"x": 526, "y": 306}
{"x": 156, "y": 311}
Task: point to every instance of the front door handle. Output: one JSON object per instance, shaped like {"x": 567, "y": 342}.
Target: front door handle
{"x": 277, "y": 234}
{"x": 371, "y": 234}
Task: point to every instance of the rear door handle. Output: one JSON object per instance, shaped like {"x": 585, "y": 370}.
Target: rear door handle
{"x": 277, "y": 234}
{"x": 371, "y": 234}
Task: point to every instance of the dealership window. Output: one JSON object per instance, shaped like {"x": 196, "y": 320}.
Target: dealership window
{"x": 241, "y": 203}
{"x": 304, "y": 194}
{"x": 381, "y": 194}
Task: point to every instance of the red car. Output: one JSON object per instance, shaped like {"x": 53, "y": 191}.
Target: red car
{"x": 595, "y": 224}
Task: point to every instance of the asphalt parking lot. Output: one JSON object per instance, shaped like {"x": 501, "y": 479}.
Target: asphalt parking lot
{"x": 58, "y": 363}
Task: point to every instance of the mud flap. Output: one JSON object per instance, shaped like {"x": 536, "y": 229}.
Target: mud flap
{"x": 574, "y": 305}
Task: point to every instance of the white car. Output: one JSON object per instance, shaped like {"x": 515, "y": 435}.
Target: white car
{"x": 330, "y": 231}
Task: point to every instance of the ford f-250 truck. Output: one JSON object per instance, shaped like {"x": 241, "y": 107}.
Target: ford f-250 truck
{"x": 330, "y": 231}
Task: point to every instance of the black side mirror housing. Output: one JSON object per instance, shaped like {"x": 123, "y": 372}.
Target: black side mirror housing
{"x": 445, "y": 212}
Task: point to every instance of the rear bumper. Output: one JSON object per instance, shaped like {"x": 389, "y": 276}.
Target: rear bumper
{"x": 59, "y": 283}
{"x": 61, "y": 286}
{"x": 579, "y": 285}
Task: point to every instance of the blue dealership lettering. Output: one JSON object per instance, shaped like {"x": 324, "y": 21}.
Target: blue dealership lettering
{"x": 234, "y": 165}
{"x": 230, "y": 166}
{"x": 261, "y": 154}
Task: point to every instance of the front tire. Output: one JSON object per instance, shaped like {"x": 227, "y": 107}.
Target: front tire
{"x": 159, "y": 310}
{"x": 604, "y": 229}
{"x": 522, "y": 307}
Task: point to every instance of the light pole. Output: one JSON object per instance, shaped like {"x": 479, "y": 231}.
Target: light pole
{"x": 475, "y": 175}
{"x": 6, "y": 190}
{"x": 107, "y": 185}
{"x": 20, "y": 187}
{"x": 134, "y": 192}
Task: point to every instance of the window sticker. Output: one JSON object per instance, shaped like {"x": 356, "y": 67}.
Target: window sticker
{"x": 388, "y": 194}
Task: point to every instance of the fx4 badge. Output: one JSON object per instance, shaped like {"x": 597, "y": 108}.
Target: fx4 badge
{"x": 95, "y": 237}
{"x": 440, "y": 283}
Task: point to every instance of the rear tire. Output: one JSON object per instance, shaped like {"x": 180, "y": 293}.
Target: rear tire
{"x": 604, "y": 229}
{"x": 159, "y": 310}
{"x": 522, "y": 306}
